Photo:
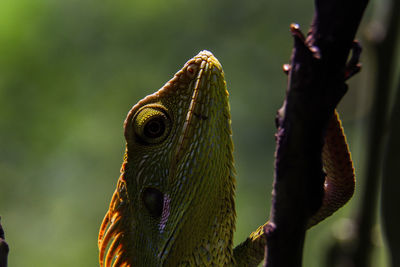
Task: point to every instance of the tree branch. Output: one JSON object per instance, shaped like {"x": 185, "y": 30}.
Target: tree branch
{"x": 316, "y": 85}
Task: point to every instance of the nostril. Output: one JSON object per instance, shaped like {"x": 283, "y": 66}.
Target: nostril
{"x": 191, "y": 70}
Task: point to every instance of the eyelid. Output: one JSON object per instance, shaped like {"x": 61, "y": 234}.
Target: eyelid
{"x": 144, "y": 116}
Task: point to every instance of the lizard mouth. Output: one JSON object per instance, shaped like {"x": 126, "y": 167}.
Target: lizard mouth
{"x": 205, "y": 65}
{"x": 206, "y": 77}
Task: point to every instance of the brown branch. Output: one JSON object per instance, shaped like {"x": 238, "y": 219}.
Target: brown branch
{"x": 316, "y": 85}
{"x": 3, "y": 248}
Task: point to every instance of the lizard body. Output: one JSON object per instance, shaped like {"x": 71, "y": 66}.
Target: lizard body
{"x": 174, "y": 202}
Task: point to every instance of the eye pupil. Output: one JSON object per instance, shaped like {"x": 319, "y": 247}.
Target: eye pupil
{"x": 154, "y": 128}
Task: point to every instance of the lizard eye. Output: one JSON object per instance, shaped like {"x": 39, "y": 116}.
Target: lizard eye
{"x": 152, "y": 124}
{"x": 153, "y": 201}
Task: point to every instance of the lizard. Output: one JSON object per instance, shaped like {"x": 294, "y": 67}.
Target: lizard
{"x": 174, "y": 202}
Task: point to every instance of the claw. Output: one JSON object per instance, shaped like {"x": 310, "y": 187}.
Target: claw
{"x": 286, "y": 68}
{"x": 353, "y": 66}
{"x": 296, "y": 32}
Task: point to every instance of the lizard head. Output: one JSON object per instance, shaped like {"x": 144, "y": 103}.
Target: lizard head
{"x": 174, "y": 199}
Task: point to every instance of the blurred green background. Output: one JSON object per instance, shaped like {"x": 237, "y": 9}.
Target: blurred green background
{"x": 71, "y": 70}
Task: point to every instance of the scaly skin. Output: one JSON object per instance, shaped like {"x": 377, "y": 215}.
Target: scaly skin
{"x": 174, "y": 202}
